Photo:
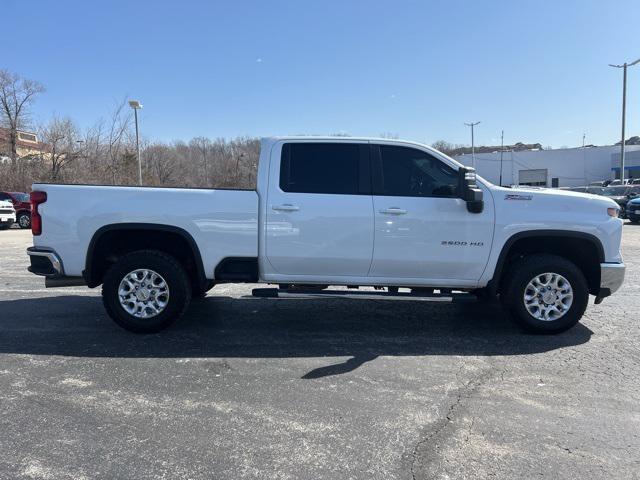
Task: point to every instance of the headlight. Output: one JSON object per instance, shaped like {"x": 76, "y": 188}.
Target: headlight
{"x": 613, "y": 212}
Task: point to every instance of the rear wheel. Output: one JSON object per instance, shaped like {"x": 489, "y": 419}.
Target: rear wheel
{"x": 546, "y": 293}
{"x": 24, "y": 220}
{"x": 146, "y": 291}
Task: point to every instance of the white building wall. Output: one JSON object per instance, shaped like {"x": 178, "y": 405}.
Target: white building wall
{"x": 572, "y": 166}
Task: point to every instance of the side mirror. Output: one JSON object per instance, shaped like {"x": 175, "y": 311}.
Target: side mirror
{"x": 469, "y": 190}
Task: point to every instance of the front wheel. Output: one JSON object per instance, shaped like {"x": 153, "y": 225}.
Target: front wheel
{"x": 146, "y": 291}
{"x": 546, "y": 293}
{"x": 24, "y": 220}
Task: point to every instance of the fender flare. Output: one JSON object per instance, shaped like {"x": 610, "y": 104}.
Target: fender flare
{"x": 497, "y": 272}
{"x": 87, "y": 274}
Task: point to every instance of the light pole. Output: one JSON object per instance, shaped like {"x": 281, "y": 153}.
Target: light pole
{"x": 473, "y": 147}
{"x": 136, "y": 105}
{"x": 501, "y": 153}
{"x": 624, "y": 111}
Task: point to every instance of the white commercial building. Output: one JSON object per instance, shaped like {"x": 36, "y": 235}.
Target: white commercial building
{"x": 567, "y": 167}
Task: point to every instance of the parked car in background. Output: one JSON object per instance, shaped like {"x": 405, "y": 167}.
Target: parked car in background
{"x": 590, "y": 189}
{"x": 617, "y": 181}
{"x": 22, "y": 205}
{"x": 601, "y": 183}
{"x": 7, "y": 214}
{"x": 633, "y": 210}
{"x": 621, "y": 194}
{"x": 635, "y": 181}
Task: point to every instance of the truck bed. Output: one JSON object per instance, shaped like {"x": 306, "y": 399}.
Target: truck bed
{"x": 223, "y": 223}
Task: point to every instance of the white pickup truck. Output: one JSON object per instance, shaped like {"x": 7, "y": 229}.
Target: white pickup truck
{"x": 7, "y": 214}
{"x": 394, "y": 215}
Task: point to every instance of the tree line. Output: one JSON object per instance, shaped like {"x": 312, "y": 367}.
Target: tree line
{"x": 105, "y": 153}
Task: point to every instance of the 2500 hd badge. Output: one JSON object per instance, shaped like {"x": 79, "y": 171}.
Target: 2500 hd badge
{"x": 458, "y": 243}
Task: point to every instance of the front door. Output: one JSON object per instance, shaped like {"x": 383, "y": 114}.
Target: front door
{"x": 423, "y": 231}
{"x": 319, "y": 214}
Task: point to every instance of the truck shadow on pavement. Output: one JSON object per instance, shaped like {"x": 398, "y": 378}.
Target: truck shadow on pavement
{"x": 223, "y": 327}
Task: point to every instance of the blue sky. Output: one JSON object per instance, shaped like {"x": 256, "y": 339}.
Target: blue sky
{"x": 420, "y": 69}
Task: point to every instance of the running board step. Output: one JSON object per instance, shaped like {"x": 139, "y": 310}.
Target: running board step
{"x": 363, "y": 295}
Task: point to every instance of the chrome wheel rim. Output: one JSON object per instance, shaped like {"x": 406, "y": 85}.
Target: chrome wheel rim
{"x": 143, "y": 293}
{"x": 24, "y": 221}
{"x": 548, "y": 296}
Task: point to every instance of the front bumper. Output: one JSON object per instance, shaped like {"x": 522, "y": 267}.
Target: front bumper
{"x": 611, "y": 278}
{"x": 4, "y": 218}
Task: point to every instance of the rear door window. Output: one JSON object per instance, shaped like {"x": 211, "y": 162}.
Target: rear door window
{"x": 328, "y": 168}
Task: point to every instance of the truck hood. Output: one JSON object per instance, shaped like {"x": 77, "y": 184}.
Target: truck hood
{"x": 564, "y": 198}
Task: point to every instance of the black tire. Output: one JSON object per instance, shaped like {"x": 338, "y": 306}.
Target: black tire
{"x": 24, "y": 220}
{"x": 5, "y": 226}
{"x": 175, "y": 277}
{"x": 524, "y": 271}
{"x": 202, "y": 291}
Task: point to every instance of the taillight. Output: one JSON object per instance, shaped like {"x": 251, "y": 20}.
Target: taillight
{"x": 37, "y": 198}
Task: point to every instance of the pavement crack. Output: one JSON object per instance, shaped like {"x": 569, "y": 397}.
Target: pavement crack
{"x": 463, "y": 393}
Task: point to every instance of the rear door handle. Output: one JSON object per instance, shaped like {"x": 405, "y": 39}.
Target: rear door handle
{"x": 393, "y": 211}
{"x": 286, "y": 207}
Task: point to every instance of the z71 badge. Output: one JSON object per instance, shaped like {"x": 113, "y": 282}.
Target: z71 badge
{"x": 461, "y": 243}
{"x": 515, "y": 196}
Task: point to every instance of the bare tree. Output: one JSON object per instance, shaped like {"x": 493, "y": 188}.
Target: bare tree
{"x": 163, "y": 161}
{"x": 116, "y": 141}
{"x": 202, "y": 146}
{"x": 447, "y": 148}
{"x": 63, "y": 146}
{"x": 16, "y": 96}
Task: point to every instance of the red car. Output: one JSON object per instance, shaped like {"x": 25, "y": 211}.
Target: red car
{"x": 22, "y": 204}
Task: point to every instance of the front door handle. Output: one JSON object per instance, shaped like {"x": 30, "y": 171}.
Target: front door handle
{"x": 393, "y": 211}
{"x": 286, "y": 207}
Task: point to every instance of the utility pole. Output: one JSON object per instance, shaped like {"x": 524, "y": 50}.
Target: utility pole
{"x": 473, "y": 146}
{"x": 501, "y": 153}
{"x": 624, "y": 111}
{"x": 584, "y": 159}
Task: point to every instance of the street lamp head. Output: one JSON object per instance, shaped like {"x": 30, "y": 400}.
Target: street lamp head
{"x": 135, "y": 104}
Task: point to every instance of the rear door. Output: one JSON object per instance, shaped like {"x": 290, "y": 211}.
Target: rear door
{"x": 423, "y": 231}
{"x": 319, "y": 211}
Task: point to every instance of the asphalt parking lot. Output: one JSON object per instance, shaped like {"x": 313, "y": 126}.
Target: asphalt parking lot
{"x": 331, "y": 389}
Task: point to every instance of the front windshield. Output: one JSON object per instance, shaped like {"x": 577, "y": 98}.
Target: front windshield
{"x": 21, "y": 197}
